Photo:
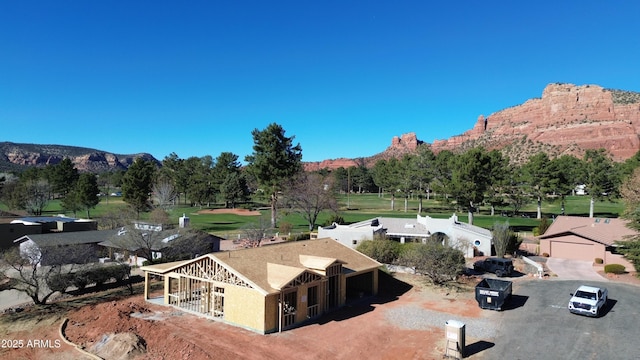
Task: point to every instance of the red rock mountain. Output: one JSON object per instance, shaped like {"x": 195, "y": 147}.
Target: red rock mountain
{"x": 567, "y": 119}
{"x": 20, "y": 156}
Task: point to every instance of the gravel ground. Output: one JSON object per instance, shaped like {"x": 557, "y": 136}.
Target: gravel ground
{"x": 414, "y": 317}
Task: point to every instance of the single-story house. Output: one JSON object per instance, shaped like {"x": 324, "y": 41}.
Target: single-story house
{"x": 585, "y": 238}
{"x": 269, "y": 288}
{"x": 140, "y": 245}
{"x": 51, "y": 248}
{"x": 19, "y": 227}
{"x": 470, "y": 239}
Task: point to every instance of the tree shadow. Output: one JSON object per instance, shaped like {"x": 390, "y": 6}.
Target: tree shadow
{"x": 477, "y": 347}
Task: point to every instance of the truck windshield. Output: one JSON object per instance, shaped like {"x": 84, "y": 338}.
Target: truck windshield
{"x": 585, "y": 295}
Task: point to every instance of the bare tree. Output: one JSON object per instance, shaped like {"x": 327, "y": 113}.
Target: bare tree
{"x": 164, "y": 193}
{"x": 41, "y": 272}
{"x": 145, "y": 242}
{"x": 255, "y": 232}
{"x": 37, "y": 196}
{"x": 116, "y": 218}
{"x": 308, "y": 194}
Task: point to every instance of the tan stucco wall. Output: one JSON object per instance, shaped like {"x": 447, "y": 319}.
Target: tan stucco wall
{"x": 577, "y": 248}
{"x": 618, "y": 259}
{"x": 244, "y": 307}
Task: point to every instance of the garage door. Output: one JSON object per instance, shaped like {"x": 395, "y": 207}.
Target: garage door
{"x": 573, "y": 251}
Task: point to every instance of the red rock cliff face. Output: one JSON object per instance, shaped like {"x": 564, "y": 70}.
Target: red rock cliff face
{"x": 568, "y": 118}
{"x": 405, "y": 144}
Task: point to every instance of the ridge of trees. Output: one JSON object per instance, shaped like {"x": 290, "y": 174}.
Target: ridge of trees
{"x": 464, "y": 181}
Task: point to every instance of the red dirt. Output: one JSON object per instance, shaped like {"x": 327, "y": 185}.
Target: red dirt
{"x": 342, "y": 335}
{"x": 241, "y": 212}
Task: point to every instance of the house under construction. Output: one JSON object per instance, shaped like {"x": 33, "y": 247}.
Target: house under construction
{"x": 270, "y": 288}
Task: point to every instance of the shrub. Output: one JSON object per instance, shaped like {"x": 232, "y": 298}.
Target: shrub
{"x": 335, "y": 218}
{"x": 285, "y": 227}
{"x": 599, "y": 261}
{"x": 80, "y": 280}
{"x": 300, "y": 236}
{"x": 440, "y": 264}
{"x": 614, "y": 269}
{"x": 383, "y": 251}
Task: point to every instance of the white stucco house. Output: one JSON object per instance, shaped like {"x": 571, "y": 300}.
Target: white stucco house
{"x": 470, "y": 239}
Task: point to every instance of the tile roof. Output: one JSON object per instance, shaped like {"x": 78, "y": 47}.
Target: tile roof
{"x": 602, "y": 230}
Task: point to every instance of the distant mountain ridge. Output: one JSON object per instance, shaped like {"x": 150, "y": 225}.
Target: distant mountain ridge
{"x": 15, "y": 156}
{"x": 567, "y": 119}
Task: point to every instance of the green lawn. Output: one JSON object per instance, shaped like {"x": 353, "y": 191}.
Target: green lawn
{"x": 358, "y": 207}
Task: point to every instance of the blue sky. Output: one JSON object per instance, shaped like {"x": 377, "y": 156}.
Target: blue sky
{"x": 343, "y": 77}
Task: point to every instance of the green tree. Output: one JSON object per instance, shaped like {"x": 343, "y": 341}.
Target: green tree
{"x": 600, "y": 175}
{"x": 408, "y": 177}
{"x": 137, "y": 183}
{"x": 564, "y": 172}
{"x": 445, "y": 163}
{"x": 537, "y": 173}
{"x": 517, "y": 193}
{"x": 63, "y": 176}
{"x": 425, "y": 163}
{"x": 439, "y": 263}
{"x": 173, "y": 168}
{"x": 86, "y": 191}
{"x": 361, "y": 178}
{"x": 630, "y": 192}
{"x": 274, "y": 160}
{"x": 234, "y": 189}
{"x": 200, "y": 188}
{"x": 470, "y": 179}
{"x": 498, "y": 180}
{"x": 225, "y": 164}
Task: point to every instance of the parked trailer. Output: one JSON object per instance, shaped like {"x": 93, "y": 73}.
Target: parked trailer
{"x": 493, "y": 293}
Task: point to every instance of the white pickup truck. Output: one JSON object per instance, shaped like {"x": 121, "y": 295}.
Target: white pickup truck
{"x": 588, "y": 300}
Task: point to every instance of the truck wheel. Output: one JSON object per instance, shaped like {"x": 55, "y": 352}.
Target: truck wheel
{"x": 499, "y": 273}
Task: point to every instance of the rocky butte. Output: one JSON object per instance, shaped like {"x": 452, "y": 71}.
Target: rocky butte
{"x": 567, "y": 119}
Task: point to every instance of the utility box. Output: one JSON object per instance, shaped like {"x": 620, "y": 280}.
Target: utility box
{"x": 455, "y": 339}
{"x": 183, "y": 221}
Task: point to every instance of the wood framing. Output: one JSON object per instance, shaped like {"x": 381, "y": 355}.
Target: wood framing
{"x": 270, "y": 288}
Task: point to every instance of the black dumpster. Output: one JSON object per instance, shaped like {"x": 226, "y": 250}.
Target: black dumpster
{"x": 493, "y": 293}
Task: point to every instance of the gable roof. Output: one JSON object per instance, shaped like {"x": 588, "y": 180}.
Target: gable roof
{"x": 270, "y": 267}
{"x": 68, "y": 238}
{"x": 602, "y": 230}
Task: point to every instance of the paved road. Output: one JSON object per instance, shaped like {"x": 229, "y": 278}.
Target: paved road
{"x": 538, "y": 325}
{"x": 568, "y": 269}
